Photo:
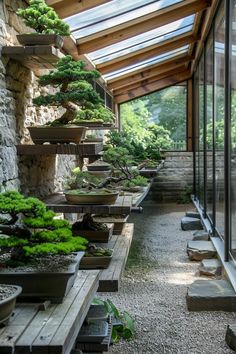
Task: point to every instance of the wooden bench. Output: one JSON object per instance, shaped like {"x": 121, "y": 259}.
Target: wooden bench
{"x": 54, "y": 331}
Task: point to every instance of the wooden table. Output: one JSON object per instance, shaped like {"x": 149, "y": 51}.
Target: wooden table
{"x": 54, "y": 331}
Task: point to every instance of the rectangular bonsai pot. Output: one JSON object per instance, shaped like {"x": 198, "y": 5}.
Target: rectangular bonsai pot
{"x": 31, "y": 39}
{"x": 95, "y": 262}
{"x": 38, "y": 286}
{"x": 95, "y": 236}
{"x": 59, "y": 134}
{"x": 118, "y": 220}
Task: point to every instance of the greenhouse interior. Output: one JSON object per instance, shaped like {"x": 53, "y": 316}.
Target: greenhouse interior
{"x": 118, "y": 176}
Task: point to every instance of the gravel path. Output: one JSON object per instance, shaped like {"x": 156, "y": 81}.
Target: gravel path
{"x": 154, "y": 287}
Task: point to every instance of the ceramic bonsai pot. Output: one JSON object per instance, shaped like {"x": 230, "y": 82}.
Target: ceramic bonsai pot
{"x": 102, "y": 174}
{"x": 7, "y": 305}
{"x": 36, "y": 285}
{"x": 95, "y": 236}
{"x": 95, "y": 262}
{"x": 54, "y": 135}
{"x": 99, "y": 197}
{"x": 99, "y": 165}
{"x": 91, "y": 123}
{"x": 31, "y": 39}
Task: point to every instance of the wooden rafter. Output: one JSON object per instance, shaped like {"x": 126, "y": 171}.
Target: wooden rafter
{"x": 66, "y": 8}
{"x": 196, "y": 29}
{"x": 148, "y": 73}
{"x": 144, "y": 82}
{"x": 140, "y": 25}
{"x": 152, "y": 87}
{"x": 145, "y": 53}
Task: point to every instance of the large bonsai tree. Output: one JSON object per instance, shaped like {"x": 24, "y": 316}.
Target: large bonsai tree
{"x": 29, "y": 229}
{"x": 76, "y": 92}
{"x": 43, "y": 19}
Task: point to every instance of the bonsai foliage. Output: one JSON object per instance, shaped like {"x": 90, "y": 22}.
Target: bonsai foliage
{"x": 29, "y": 229}
{"x": 100, "y": 113}
{"x": 43, "y": 19}
{"x": 75, "y": 94}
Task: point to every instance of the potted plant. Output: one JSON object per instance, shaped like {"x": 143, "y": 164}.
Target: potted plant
{"x": 75, "y": 91}
{"x": 45, "y": 21}
{"x": 91, "y": 230}
{"x": 40, "y": 248}
{"x": 96, "y": 116}
{"x": 8, "y": 295}
{"x": 96, "y": 258}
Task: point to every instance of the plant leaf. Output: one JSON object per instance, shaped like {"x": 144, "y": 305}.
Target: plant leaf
{"x": 114, "y": 309}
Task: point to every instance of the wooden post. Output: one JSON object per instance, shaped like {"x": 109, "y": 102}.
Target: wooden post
{"x": 189, "y": 115}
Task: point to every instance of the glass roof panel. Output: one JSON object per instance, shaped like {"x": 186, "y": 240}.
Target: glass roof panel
{"x": 146, "y": 63}
{"x": 112, "y": 14}
{"x": 142, "y": 41}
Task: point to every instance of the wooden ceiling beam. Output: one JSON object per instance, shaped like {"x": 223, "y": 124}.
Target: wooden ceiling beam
{"x": 140, "y": 25}
{"x": 159, "y": 70}
{"x": 146, "y": 53}
{"x": 144, "y": 82}
{"x": 152, "y": 87}
{"x": 66, "y": 8}
{"x": 142, "y": 73}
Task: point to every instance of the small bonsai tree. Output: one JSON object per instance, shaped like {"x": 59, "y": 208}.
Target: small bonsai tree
{"x": 76, "y": 92}
{"x": 100, "y": 113}
{"x": 29, "y": 229}
{"x": 43, "y": 19}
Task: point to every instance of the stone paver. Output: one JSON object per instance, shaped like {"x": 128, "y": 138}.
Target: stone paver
{"x": 188, "y": 223}
{"x": 199, "y": 250}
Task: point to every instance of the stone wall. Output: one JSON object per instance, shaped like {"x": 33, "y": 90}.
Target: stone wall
{"x": 39, "y": 175}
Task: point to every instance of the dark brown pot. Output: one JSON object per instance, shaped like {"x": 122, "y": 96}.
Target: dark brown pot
{"x": 91, "y": 124}
{"x": 55, "y": 135}
{"x": 31, "y": 39}
{"x": 95, "y": 236}
{"x": 52, "y": 286}
{"x": 95, "y": 262}
{"x": 7, "y": 305}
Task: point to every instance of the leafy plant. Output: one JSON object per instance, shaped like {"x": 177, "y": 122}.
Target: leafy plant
{"x": 100, "y": 113}
{"x": 185, "y": 196}
{"x": 125, "y": 327}
{"x": 43, "y": 18}
{"x": 29, "y": 229}
{"x": 137, "y": 181}
{"x": 76, "y": 93}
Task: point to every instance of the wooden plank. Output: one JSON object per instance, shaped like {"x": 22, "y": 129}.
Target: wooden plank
{"x": 68, "y": 8}
{"x": 83, "y": 149}
{"x": 57, "y": 202}
{"x": 109, "y": 279}
{"x": 140, "y": 25}
{"x": 146, "y": 53}
{"x": 155, "y": 86}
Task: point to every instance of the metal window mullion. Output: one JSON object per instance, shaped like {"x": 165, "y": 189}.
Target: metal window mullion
{"x": 204, "y": 134}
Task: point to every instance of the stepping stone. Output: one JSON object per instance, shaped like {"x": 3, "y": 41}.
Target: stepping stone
{"x": 211, "y": 295}
{"x": 188, "y": 223}
{"x": 193, "y": 214}
{"x": 201, "y": 235}
{"x": 210, "y": 267}
{"x": 199, "y": 250}
{"x": 230, "y": 337}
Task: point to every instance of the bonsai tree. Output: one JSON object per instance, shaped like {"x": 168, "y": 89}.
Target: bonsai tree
{"x": 29, "y": 229}
{"x": 99, "y": 113}
{"x": 43, "y": 19}
{"x": 76, "y": 93}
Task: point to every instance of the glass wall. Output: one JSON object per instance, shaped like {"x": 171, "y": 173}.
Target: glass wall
{"x": 201, "y": 131}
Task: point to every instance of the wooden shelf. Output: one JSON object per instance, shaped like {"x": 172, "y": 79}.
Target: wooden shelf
{"x": 54, "y": 330}
{"x": 57, "y": 202}
{"x": 83, "y": 149}
{"x": 109, "y": 279}
{"x": 34, "y": 57}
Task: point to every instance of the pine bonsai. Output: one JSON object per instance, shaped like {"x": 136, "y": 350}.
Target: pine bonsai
{"x": 43, "y": 19}
{"x": 29, "y": 229}
{"x": 76, "y": 93}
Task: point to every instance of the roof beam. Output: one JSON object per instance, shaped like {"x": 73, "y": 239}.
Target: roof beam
{"x": 144, "y": 72}
{"x": 146, "y": 53}
{"x": 158, "y": 70}
{"x": 158, "y": 77}
{"x": 140, "y": 25}
{"x": 66, "y": 8}
{"x": 152, "y": 87}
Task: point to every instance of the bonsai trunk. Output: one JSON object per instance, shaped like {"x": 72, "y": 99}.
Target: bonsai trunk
{"x": 69, "y": 115}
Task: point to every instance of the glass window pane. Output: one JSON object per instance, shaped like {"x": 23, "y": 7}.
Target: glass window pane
{"x": 196, "y": 129}
{"x": 201, "y": 132}
{"x": 219, "y": 117}
{"x": 146, "y": 63}
{"x": 112, "y": 14}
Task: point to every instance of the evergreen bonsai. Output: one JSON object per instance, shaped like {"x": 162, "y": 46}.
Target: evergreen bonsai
{"x": 76, "y": 93}
{"x": 43, "y": 19}
{"x": 28, "y": 229}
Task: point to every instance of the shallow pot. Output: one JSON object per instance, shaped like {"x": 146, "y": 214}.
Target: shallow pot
{"x": 7, "y": 305}
{"x": 52, "y": 286}
{"x": 103, "y": 199}
{"x": 95, "y": 236}
{"x": 55, "y": 135}
{"x": 31, "y": 39}
{"x": 90, "y": 124}
{"x": 95, "y": 262}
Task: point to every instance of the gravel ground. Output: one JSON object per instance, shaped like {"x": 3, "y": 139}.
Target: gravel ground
{"x": 154, "y": 286}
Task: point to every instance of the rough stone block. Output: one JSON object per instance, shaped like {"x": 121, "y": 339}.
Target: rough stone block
{"x": 192, "y": 214}
{"x": 230, "y": 337}
{"x": 188, "y": 223}
{"x": 199, "y": 250}
{"x": 210, "y": 267}
{"x": 201, "y": 235}
{"x": 211, "y": 295}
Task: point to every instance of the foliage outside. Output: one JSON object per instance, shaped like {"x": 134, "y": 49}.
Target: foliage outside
{"x": 43, "y": 19}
